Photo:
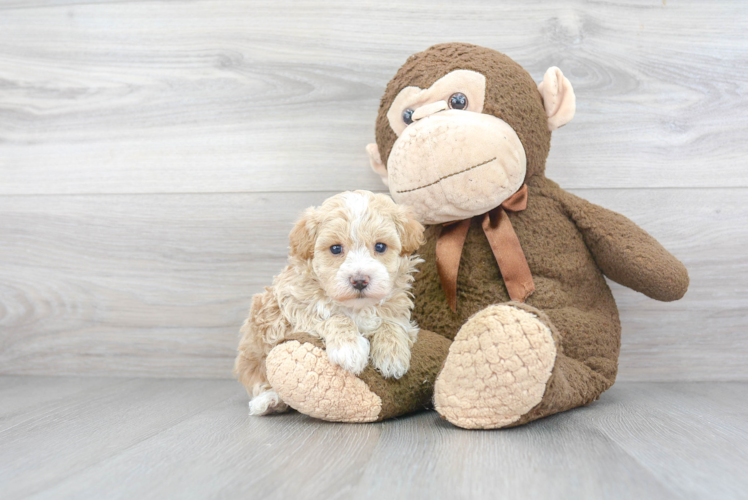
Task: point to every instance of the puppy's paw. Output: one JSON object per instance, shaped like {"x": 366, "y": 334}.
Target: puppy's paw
{"x": 351, "y": 355}
{"x": 390, "y": 357}
{"x": 266, "y": 403}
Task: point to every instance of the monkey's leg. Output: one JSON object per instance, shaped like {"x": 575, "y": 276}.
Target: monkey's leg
{"x": 506, "y": 367}
{"x": 304, "y": 378}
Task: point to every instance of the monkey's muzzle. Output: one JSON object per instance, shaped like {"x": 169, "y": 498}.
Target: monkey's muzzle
{"x": 455, "y": 164}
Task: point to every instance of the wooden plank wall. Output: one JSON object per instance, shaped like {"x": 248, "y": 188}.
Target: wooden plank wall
{"x": 153, "y": 155}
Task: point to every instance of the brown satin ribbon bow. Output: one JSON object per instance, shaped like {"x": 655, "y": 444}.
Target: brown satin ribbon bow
{"x": 504, "y": 244}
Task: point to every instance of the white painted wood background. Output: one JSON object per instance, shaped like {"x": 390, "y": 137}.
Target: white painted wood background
{"x": 153, "y": 155}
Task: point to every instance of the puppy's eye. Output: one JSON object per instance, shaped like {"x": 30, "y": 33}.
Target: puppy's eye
{"x": 458, "y": 100}
{"x": 380, "y": 248}
{"x": 336, "y": 249}
{"x": 408, "y": 116}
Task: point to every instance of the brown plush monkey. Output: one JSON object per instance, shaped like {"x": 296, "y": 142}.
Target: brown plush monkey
{"x": 514, "y": 265}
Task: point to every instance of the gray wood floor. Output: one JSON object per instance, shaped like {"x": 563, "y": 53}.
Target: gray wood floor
{"x": 185, "y": 438}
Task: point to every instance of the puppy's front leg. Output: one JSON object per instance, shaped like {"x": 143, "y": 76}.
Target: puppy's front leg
{"x": 390, "y": 349}
{"x": 345, "y": 346}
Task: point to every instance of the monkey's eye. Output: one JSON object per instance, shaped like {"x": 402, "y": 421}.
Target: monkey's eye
{"x": 336, "y": 249}
{"x": 408, "y": 116}
{"x": 458, "y": 100}
{"x": 380, "y": 248}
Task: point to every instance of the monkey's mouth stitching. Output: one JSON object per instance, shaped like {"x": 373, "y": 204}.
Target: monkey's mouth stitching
{"x": 447, "y": 176}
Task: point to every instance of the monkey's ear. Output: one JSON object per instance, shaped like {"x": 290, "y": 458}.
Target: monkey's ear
{"x": 376, "y": 162}
{"x": 304, "y": 235}
{"x": 558, "y": 98}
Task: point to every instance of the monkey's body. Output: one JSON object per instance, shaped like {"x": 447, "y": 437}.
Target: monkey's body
{"x": 570, "y": 290}
{"x": 508, "y": 362}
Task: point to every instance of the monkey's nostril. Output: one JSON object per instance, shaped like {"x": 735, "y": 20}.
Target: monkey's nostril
{"x": 359, "y": 282}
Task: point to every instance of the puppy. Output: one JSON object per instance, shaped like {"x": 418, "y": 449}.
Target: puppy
{"x": 349, "y": 273}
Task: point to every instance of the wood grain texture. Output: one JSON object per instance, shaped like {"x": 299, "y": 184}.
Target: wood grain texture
{"x": 227, "y": 96}
{"x": 75, "y": 433}
{"x": 22, "y": 397}
{"x": 193, "y": 439}
{"x": 159, "y": 284}
{"x": 153, "y": 155}
{"x": 701, "y": 429}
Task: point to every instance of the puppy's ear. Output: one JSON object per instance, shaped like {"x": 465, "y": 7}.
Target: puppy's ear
{"x": 303, "y": 235}
{"x": 409, "y": 229}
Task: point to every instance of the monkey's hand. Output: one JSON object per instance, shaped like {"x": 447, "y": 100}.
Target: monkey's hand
{"x": 625, "y": 252}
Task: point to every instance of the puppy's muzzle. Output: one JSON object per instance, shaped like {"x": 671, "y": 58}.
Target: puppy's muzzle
{"x": 359, "y": 282}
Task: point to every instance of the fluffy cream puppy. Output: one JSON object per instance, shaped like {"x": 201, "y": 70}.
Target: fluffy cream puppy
{"x": 349, "y": 273}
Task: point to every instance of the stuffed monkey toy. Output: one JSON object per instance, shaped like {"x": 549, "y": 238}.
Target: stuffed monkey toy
{"x": 517, "y": 321}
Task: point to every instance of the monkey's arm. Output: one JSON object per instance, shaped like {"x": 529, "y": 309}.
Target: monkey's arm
{"x": 625, "y": 252}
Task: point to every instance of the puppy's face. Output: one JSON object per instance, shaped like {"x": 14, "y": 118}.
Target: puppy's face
{"x": 359, "y": 243}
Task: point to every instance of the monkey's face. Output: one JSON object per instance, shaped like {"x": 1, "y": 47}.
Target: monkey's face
{"x": 461, "y": 127}
{"x": 451, "y": 161}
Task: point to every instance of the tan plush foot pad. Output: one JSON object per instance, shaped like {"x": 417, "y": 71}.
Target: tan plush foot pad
{"x": 305, "y": 380}
{"x": 497, "y": 369}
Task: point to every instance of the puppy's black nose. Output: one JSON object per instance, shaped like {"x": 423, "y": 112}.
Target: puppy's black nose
{"x": 359, "y": 282}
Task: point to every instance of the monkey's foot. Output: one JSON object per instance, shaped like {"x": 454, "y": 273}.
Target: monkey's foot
{"x": 305, "y": 379}
{"x": 308, "y": 382}
{"x": 498, "y": 368}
